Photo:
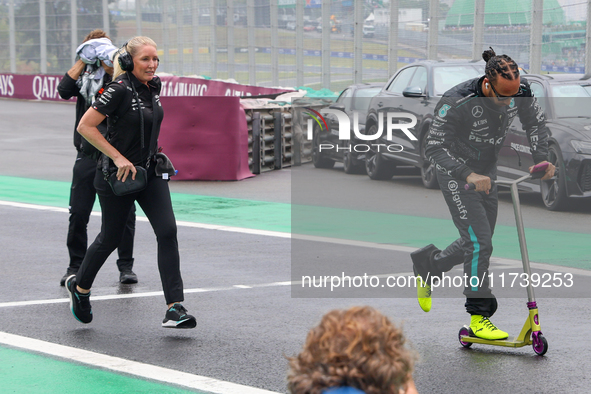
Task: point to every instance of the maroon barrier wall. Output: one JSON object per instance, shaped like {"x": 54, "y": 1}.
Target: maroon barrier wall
{"x": 205, "y": 138}
{"x": 44, "y": 87}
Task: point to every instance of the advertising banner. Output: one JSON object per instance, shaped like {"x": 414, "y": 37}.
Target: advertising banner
{"x": 44, "y": 87}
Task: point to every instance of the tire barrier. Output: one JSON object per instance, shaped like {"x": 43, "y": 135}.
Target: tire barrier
{"x": 270, "y": 142}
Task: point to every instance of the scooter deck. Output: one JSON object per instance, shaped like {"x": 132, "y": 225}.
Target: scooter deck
{"x": 509, "y": 342}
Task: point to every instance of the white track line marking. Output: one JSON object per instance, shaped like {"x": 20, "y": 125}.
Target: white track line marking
{"x": 504, "y": 264}
{"x": 141, "y": 295}
{"x": 33, "y": 206}
{"x": 127, "y": 367}
{"x": 144, "y": 219}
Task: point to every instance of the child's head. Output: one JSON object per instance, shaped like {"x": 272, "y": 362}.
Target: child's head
{"x": 358, "y": 347}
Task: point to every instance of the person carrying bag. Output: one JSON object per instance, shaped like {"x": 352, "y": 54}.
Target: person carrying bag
{"x": 129, "y": 173}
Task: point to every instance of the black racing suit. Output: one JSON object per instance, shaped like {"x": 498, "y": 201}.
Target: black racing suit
{"x": 83, "y": 193}
{"x": 465, "y": 137}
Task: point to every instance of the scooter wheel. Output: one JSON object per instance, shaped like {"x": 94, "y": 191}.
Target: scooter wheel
{"x": 540, "y": 344}
{"x": 464, "y": 333}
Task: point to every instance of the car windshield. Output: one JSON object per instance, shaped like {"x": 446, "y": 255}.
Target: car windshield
{"x": 569, "y": 91}
{"x": 564, "y": 104}
{"x": 363, "y": 98}
{"x": 445, "y": 78}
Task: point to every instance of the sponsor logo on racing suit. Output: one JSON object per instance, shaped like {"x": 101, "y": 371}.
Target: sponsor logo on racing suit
{"x": 453, "y": 188}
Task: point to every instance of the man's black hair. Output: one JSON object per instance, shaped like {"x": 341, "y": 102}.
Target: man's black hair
{"x": 501, "y": 65}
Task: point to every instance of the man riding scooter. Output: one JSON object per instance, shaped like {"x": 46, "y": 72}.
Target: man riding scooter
{"x": 470, "y": 126}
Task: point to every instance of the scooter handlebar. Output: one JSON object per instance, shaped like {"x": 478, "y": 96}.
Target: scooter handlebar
{"x": 536, "y": 173}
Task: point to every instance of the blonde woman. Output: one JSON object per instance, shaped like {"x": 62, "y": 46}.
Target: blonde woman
{"x": 131, "y": 103}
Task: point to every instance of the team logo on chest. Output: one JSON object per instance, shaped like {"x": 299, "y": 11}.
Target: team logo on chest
{"x": 477, "y": 111}
{"x": 443, "y": 110}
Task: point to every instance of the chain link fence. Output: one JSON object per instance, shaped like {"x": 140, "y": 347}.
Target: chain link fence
{"x": 315, "y": 43}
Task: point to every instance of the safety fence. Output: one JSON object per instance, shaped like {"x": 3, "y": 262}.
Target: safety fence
{"x": 317, "y": 43}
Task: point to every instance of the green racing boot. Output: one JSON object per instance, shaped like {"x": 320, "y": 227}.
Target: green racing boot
{"x": 482, "y": 327}
{"x": 421, "y": 261}
{"x": 423, "y": 294}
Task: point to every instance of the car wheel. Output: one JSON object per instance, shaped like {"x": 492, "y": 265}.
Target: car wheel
{"x": 376, "y": 167}
{"x": 428, "y": 170}
{"x": 318, "y": 158}
{"x": 554, "y": 190}
{"x": 351, "y": 164}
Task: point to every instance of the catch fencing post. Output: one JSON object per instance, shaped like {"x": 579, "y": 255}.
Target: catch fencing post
{"x": 230, "y": 33}
{"x": 588, "y": 40}
{"x": 326, "y": 43}
{"x": 358, "y": 42}
{"x": 180, "y": 44}
{"x": 535, "y": 46}
{"x": 43, "y": 37}
{"x": 274, "y": 43}
{"x": 73, "y": 29}
{"x": 393, "y": 41}
{"x": 300, "y": 43}
{"x": 106, "y": 24}
{"x": 433, "y": 29}
{"x": 138, "y": 17}
{"x": 165, "y": 37}
{"x": 195, "y": 28}
{"x": 12, "y": 38}
{"x": 252, "y": 72}
{"x": 478, "y": 30}
{"x": 213, "y": 54}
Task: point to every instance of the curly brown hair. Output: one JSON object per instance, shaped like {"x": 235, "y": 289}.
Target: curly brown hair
{"x": 358, "y": 347}
{"x": 96, "y": 33}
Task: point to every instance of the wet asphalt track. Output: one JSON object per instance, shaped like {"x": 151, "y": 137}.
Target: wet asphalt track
{"x": 244, "y": 334}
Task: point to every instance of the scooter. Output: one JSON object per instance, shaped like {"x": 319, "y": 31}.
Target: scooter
{"x": 531, "y": 333}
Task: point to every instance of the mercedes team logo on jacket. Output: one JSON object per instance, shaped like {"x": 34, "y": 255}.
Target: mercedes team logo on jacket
{"x": 477, "y": 111}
